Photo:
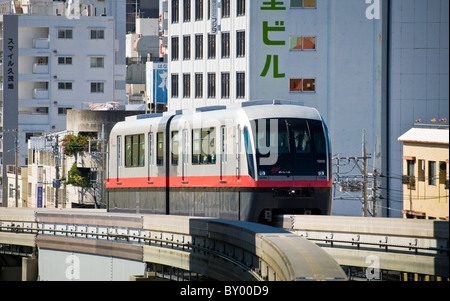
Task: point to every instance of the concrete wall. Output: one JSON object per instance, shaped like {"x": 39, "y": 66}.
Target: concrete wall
{"x": 419, "y": 74}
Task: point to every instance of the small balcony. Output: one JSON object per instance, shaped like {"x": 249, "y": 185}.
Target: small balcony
{"x": 41, "y": 43}
{"x": 40, "y": 68}
{"x": 34, "y": 119}
{"x": 40, "y": 94}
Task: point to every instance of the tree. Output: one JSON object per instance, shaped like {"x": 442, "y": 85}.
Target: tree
{"x": 78, "y": 178}
{"x": 74, "y": 144}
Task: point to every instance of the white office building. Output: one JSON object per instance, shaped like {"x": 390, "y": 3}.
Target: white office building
{"x": 56, "y": 56}
{"x": 358, "y": 62}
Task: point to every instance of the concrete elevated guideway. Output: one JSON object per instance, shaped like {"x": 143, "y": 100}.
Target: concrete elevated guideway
{"x": 96, "y": 245}
{"x": 410, "y": 246}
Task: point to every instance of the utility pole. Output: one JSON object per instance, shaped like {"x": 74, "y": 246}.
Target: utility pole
{"x": 57, "y": 182}
{"x": 364, "y": 155}
{"x": 356, "y": 185}
{"x": 16, "y": 140}
{"x": 374, "y": 193}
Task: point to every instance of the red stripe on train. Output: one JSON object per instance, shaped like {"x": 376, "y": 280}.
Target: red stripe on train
{"x": 208, "y": 181}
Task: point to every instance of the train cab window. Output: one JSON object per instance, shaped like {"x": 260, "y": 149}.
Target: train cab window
{"x": 160, "y": 149}
{"x": 249, "y": 152}
{"x": 279, "y": 142}
{"x": 135, "y": 150}
{"x": 175, "y": 148}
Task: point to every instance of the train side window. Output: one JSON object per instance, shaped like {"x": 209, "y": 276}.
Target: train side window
{"x": 160, "y": 149}
{"x": 208, "y": 146}
{"x": 119, "y": 149}
{"x": 135, "y": 150}
{"x": 196, "y": 144}
{"x": 175, "y": 148}
{"x": 150, "y": 148}
{"x": 204, "y": 146}
{"x": 223, "y": 134}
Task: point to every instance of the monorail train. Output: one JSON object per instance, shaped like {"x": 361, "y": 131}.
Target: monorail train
{"x": 243, "y": 162}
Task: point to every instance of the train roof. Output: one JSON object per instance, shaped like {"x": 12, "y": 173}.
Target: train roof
{"x": 253, "y": 110}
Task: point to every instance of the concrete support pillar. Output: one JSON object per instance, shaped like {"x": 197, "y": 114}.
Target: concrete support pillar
{"x": 29, "y": 269}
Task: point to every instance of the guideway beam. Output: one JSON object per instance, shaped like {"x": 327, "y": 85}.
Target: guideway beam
{"x": 218, "y": 249}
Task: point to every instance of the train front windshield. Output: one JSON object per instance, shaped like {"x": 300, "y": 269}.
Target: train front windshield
{"x": 290, "y": 147}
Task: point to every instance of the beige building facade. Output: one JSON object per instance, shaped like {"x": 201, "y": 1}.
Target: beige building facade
{"x": 426, "y": 172}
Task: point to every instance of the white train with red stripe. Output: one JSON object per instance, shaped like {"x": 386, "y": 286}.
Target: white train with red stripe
{"x": 242, "y": 162}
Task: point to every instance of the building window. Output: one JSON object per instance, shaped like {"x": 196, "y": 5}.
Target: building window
{"x": 65, "y": 33}
{"x": 302, "y": 43}
{"x": 186, "y": 10}
{"x": 443, "y": 173}
{"x": 198, "y": 85}
{"x": 64, "y": 86}
{"x": 175, "y": 11}
{"x": 209, "y": 9}
{"x": 186, "y": 85}
{"x": 225, "y": 8}
{"x": 199, "y": 47}
{"x": 97, "y": 62}
{"x": 240, "y": 85}
{"x": 97, "y": 87}
{"x": 410, "y": 168}
{"x": 135, "y": 150}
{"x": 63, "y": 111}
{"x": 240, "y": 44}
{"x": 241, "y": 8}
{"x": 421, "y": 170}
{"x": 211, "y": 46}
{"x": 198, "y": 10}
{"x": 174, "y": 87}
{"x": 225, "y": 44}
{"x": 303, "y": 3}
{"x": 65, "y": 60}
{"x": 225, "y": 91}
{"x": 97, "y": 34}
{"x": 186, "y": 47}
{"x": 302, "y": 85}
{"x": 409, "y": 179}
{"x": 211, "y": 85}
{"x": 432, "y": 173}
{"x": 175, "y": 47}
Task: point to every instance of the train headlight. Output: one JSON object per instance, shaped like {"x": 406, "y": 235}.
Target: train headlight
{"x": 321, "y": 173}
{"x": 262, "y": 173}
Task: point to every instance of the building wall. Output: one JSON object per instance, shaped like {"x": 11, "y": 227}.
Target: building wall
{"x": 423, "y": 197}
{"x": 346, "y": 65}
{"x": 42, "y": 103}
{"x": 205, "y": 65}
{"x": 418, "y": 74}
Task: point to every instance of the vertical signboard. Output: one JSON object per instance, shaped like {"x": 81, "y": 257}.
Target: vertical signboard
{"x": 214, "y": 20}
{"x": 39, "y": 197}
{"x": 270, "y": 37}
{"x": 157, "y": 82}
{"x": 39, "y": 188}
{"x": 10, "y": 94}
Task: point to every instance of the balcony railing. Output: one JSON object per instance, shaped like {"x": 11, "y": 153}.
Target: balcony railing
{"x": 40, "y": 94}
{"x": 40, "y": 69}
{"x": 41, "y": 43}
